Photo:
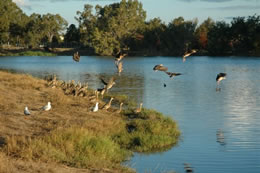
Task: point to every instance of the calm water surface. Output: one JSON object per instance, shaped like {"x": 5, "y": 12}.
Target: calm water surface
{"x": 220, "y": 130}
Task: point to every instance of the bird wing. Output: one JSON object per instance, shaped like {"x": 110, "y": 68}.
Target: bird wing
{"x": 111, "y": 80}
{"x": 102, "y": 80}
{"x": 156, "y": 67}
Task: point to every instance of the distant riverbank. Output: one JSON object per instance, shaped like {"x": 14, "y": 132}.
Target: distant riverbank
{"x": 14, "y": 51}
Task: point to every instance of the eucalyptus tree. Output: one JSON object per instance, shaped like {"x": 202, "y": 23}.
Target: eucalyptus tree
{"x": 53, "y": 25}
{"x": 112, "y": 25}
{"x": 10, "y": 16}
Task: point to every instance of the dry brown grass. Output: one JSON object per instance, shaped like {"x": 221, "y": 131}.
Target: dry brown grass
{"x": 18, "y": 91}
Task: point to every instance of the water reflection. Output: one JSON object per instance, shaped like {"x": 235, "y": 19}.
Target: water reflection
{"x": 191, "y": 99}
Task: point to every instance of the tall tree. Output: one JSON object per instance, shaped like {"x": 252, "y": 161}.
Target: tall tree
{"x": 114, "y": 24}
{"x": 53, "y": 25}
{"x": 10, "y": 14}
{"x": 202, "y": 33}
{"x": 180, "y": 35}
{"x": 219, "y": 39}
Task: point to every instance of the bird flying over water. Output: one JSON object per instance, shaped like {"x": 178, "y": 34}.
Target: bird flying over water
{"x": 172, "y": 75}
{"x": 76, "y": 57}
{"x": 26, "y": 111}
{"x": 109, "y": 84}
{"x": 220, "y": 77}
{"x": 160, "y": 67}
{"x": 188, "y": 54}
{"x": 120, "y": 56}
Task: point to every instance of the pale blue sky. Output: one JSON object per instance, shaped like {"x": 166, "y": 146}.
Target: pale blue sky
{"x": 166, "y": 10}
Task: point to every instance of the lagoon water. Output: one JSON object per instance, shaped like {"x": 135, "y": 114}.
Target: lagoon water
{"x": 220, "y": 129}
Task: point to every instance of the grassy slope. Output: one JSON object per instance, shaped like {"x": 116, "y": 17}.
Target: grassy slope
{"x": 71, "y": 138}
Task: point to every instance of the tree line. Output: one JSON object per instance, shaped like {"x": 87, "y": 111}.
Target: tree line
{"x": 122, "y": 26}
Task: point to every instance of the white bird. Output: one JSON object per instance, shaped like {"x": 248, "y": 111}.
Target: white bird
{"x": 26, "y": 111}
{"x": 95, "y": 109}
{"x": 47, "y": 107}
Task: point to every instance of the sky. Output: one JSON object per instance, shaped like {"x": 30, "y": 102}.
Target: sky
{"x": 166, "y": 10}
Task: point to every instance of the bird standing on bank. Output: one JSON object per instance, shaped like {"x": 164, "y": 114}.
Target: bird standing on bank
{"x": 47, "y": 107}
{"x": 26, "y": 111}
{"x": 120, "y": 108}
{"x": 95, "y": 109}
{"x": 139, "y": 109}
{"x": 107, "y": 106}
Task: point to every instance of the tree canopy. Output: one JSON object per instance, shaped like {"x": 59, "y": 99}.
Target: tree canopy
{"x": 122, "y": 26}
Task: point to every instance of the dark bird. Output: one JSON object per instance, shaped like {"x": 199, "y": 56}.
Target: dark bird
{"x": 187, "y": 167}
{"x": 109, "y": 84}
{"x": 172, "y": 75}
{"x": 120, "y": 56}
{"x": 164, "y": 85}
{"x": 160, "y": 67}
{"x": 188, "y": 54}
{"x": 220, "y": 77}
{"x": 76, "y": 57}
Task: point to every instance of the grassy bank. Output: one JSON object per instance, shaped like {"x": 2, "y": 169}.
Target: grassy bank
{"x": 70, "y": 137}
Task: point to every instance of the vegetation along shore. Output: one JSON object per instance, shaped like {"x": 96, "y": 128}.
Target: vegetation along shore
{"x": 122, "y": 26}
{"x": 70, "y": 137}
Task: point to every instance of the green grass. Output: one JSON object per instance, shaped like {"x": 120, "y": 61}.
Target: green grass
{"x": 76, "y": 147}
{"x": 31, "y": 53}
{"x": 148, "y": 131}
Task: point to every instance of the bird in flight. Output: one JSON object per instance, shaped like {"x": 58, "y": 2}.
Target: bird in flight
{"x": 172, "y": 75}
{"x": 109, "y": 84}
{"x": 76, "y": 57}
{"x": 220, "y": 77}
{"x": 188, "y": 54}
{"x": 160, "y": 67}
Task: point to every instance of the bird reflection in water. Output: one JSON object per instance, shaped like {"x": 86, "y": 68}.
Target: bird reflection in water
{"x": 220, "y": 137}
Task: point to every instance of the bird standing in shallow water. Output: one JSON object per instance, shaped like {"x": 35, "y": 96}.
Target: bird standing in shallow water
{"x": 26, "y": 111}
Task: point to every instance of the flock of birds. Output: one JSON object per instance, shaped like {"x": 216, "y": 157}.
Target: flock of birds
{"x": 72, "y": 88}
